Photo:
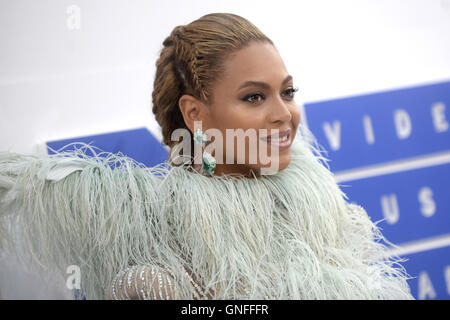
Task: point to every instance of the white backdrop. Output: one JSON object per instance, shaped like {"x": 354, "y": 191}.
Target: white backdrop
{"x": 84, "y": 67}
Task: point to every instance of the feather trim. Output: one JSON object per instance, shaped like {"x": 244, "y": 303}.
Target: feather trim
{"x": 291, "y": 235}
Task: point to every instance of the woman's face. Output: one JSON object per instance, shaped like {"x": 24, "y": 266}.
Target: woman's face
{"x": 255, "y": 92}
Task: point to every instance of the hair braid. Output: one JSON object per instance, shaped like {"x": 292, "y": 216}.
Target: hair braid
{"x": 167, "y": 82}
{"x": 186, "y": 55}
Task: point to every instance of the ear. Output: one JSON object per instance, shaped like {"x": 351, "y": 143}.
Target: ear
{"x": 192, "y": 110}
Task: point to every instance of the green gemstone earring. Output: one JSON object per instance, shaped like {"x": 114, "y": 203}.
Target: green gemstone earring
{"x": 208, "y": 161}
{"x": 200, "y": 138}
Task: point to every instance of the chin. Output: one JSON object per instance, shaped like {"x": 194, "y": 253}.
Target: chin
{"x": 285, "y": 160}
{"x": 283, "y": 163}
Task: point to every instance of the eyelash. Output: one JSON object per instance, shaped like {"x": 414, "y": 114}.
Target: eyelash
{"x": 291, "y": 90}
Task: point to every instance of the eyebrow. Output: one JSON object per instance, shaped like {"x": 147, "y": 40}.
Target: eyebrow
{"x": 262, "y": 84}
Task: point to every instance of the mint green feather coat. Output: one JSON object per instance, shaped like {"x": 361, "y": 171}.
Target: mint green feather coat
{"x": 291, "y": 235}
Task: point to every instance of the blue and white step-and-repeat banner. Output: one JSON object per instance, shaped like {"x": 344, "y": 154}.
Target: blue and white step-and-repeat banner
{"x": 390, "y": 153}
{"x": 138, "y": 144}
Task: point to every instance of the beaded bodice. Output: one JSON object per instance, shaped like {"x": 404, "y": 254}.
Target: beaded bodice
{"x": 149, "y": 283}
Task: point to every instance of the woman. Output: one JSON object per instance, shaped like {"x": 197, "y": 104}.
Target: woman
{"x": 260, "y": 219}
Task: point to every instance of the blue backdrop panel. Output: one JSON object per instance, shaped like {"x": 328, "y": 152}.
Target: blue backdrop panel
{"x": 431, "y": 272}
{"x": 400, "y": 124}
{"x": 416, "y": 202}
{"x": 138, "y": 144}
{"x": 379, "y": 128}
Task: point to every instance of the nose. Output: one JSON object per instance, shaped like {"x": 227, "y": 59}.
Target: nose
{"x": 280, "y": 112}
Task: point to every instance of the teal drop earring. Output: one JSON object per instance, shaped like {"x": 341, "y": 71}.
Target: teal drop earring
{"x": 208, "y": 161}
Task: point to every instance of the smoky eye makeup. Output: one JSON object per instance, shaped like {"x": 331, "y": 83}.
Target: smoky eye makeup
{"x": 253, "y": 97}
{"x": 291, "y": 91}
{"x": 256, "y": 97}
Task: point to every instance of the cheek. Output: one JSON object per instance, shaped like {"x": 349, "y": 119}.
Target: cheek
{"x": 239, "y": 117}
{"x": 224, "y": 117}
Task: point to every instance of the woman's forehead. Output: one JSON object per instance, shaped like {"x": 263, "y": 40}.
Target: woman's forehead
{"x": 259, "y": 62}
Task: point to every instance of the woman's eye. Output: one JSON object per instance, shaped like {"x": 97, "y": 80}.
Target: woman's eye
{"x": 258, "y": 98}
{"x": 290, "y": 93}
{"x": 254, "y": 98}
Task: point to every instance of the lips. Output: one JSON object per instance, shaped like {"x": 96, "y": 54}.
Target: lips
{"x": 281, "y": 139}
{"x": 278, "y": 137}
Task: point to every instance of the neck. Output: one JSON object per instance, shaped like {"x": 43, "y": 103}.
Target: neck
{"x": 232, "y": 169}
